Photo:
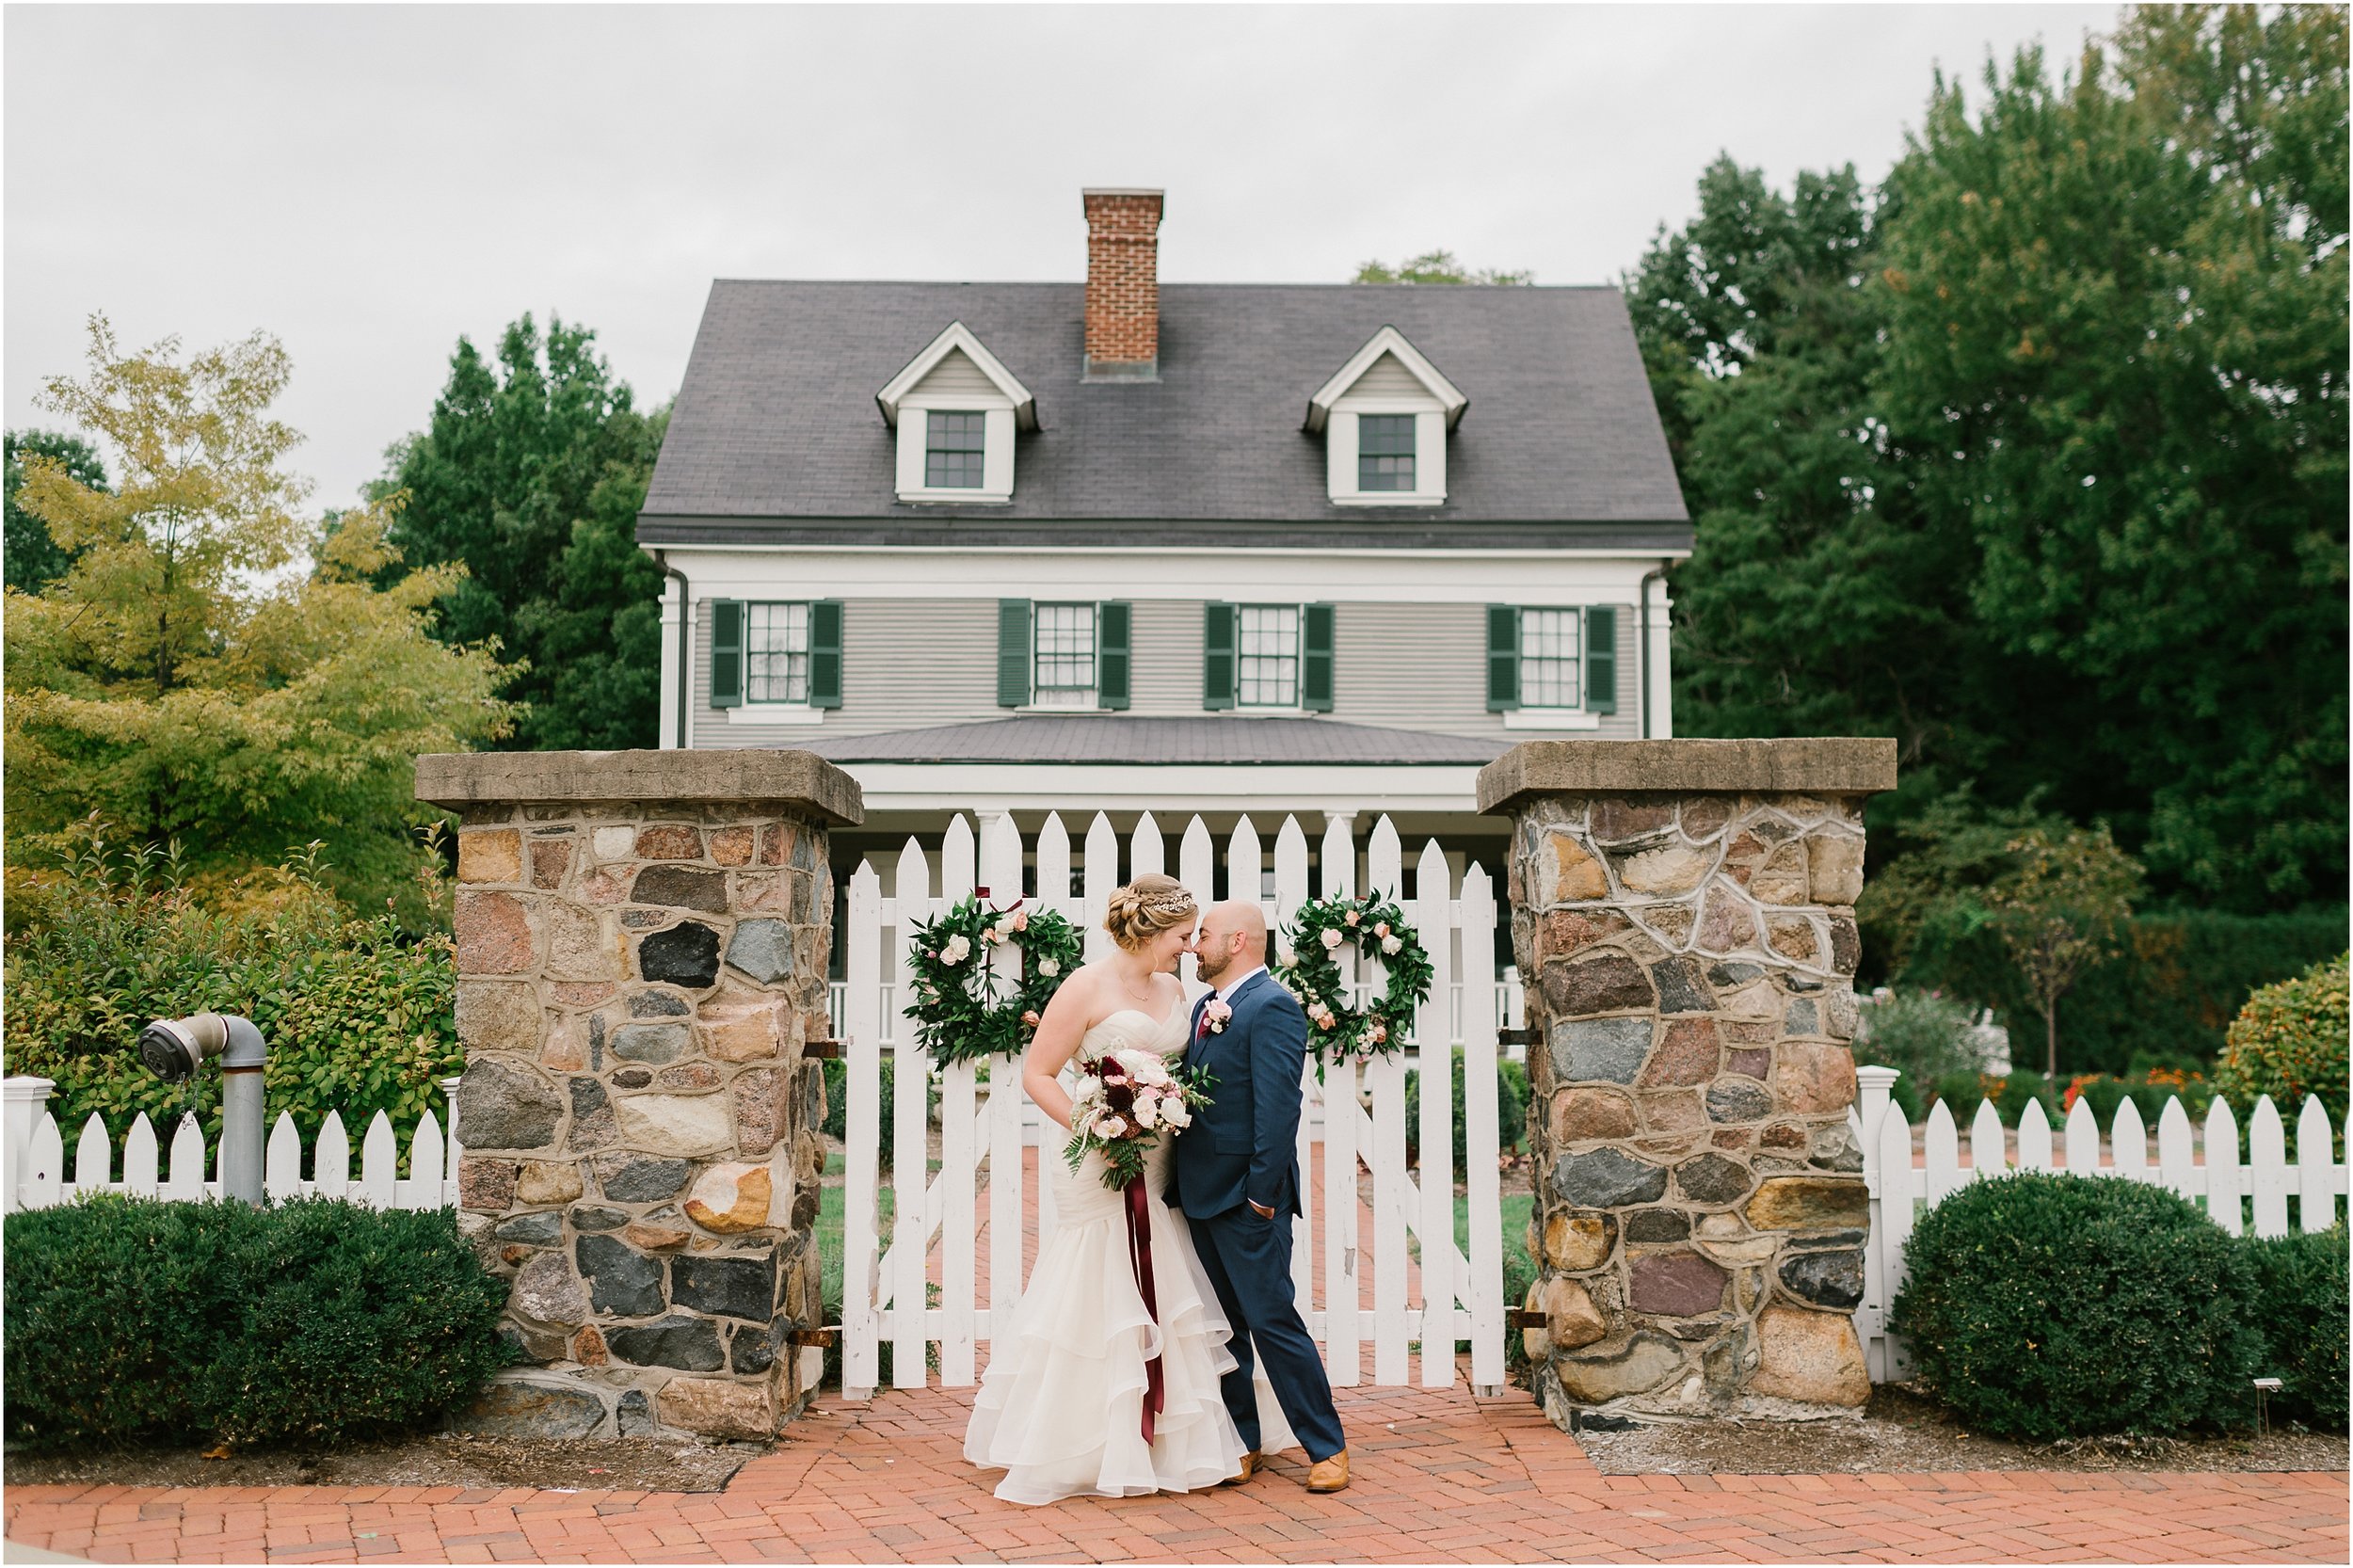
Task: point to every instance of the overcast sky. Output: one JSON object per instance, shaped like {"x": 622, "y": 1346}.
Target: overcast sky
{"x": 369, "y": 182}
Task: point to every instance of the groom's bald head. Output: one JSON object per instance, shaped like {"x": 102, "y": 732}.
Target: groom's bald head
{"x": 1233, "y": 931}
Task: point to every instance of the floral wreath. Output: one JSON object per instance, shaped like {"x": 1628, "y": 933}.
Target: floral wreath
{"x": 1309, "y": 965}
{"x": 958, "y": 1016}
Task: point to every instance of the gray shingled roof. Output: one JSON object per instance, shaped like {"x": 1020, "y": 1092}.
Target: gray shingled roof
{"x": 1119, "y": 738}
{"x": 775, "y": 428}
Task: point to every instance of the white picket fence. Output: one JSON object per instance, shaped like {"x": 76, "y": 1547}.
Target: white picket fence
{"x": 35, "y": 1172}
{"x": 984, "y": 1129}
{"x": 2208, "y": 1171}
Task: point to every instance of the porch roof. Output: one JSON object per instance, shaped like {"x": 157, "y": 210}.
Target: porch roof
{"x": 1143, "y": 740}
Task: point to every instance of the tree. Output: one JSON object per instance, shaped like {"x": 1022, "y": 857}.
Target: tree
{"x": 187, "y": 677}
{"x": 2060, "y": 911}
{"x": 1436, "y": 267}
{"x": 34, "y": 560}
{"x": 530, "y": 472}
{"x": 2116, "y": 325}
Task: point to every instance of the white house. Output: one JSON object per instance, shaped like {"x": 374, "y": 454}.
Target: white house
{"x": 1202, "y": 548}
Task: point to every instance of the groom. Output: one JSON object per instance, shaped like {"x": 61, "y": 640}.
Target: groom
{"x": 1236, "y": 1176}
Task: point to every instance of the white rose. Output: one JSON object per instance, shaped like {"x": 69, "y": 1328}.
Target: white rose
{"x": 1391, "y": 944}
{"x": 1176, "y": 1114}
{"x": 1048, "y": 967}
{"x": 956, "y": 950}
{"x": 1144, "y": 1112}
{"x": 1333, "y": 939}
{"x": 1290, "y": 957}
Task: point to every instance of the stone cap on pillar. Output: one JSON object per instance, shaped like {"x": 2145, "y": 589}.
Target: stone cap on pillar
{"x": 1816, "y": 766}
{"x": 749, "y": 776}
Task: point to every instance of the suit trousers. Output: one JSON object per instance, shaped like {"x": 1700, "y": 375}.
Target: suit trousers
{"x": 1248, "y": 1259}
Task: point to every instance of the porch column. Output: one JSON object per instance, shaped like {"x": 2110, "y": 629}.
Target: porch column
{"x": 641, "y": 941}
{"x": 1683, "y": 917}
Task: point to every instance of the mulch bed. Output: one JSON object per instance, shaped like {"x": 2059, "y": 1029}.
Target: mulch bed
{"x": 625, "y": 1464}
{"x": 1901, "y": 1430}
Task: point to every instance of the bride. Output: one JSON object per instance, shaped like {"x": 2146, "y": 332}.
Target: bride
{"x": 1061, "y": 1408}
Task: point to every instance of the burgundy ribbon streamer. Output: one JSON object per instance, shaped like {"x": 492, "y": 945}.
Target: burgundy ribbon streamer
{"x": 1140, "y": 1252}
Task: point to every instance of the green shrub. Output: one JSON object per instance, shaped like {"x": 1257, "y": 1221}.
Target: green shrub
{"x": 2300, "y": 1310}
{"x": 2289, "y": 1041}
{"x": 131, "y": 1320}
{"x": 1511, "y": 1110}
{"x": 1922, "y": 1035}
{"x": 358, "y": 1016}
{"x": 838, "y": 1106}
{"x": 2046, "y": 1306}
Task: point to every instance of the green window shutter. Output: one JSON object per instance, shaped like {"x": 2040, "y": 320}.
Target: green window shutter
{"x": 1601, "y": 659}
{"x": 1110, "y": 654}
{"x": 824, "y": 653}
{"x": 1013, "y": 653}
{"x": 727, "y": 653}
{"x": 1315, "y": 658}
{"x": 1503, "y": 657}
{"x": 1217, "y": 655}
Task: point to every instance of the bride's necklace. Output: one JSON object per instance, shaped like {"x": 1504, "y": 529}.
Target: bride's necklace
{"x": 1145, "y": 996}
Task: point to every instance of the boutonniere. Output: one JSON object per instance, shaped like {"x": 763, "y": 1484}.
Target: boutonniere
{"x": 1214, "y": 1015}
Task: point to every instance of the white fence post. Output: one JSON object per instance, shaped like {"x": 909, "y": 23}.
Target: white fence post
{"x": 25, "y": 1099}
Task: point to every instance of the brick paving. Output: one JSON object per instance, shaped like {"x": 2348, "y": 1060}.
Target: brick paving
{"x": 1440, "y": 1477}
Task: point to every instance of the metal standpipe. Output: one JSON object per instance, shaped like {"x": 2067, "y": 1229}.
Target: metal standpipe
{"x": 175, "y": 1047}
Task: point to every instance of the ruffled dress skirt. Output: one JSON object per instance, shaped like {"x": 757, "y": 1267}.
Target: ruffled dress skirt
{"x": 1061, "y": 1407}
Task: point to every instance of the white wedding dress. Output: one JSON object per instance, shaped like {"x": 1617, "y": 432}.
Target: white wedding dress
{"x": 1061, "y": 1406}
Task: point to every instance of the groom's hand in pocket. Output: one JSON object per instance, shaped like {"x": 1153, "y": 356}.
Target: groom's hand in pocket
{"x": 1259, "y": 1210}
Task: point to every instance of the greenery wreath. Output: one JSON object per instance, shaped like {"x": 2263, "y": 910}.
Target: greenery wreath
{"x": 1308, "y": 964}
{"x": 957, "y": 1013}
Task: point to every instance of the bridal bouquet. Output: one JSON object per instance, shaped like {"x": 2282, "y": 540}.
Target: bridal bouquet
{"x": 1123, "y": 1101}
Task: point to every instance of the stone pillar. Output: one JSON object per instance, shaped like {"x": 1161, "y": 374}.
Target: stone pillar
{"x": 642, "y": 939}
{"x": 1683, "y": 916}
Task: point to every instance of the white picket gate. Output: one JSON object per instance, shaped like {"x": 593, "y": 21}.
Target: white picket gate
{"x": 35, "y": 1165}
{"x": 2208, "y": 1171}
{"x": 885, "y": 1292}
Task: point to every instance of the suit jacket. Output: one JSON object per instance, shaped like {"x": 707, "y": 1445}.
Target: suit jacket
{"x": 1245, "y": 1143}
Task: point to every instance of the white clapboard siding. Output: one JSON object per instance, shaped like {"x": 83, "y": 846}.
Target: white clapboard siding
{"x": 884, "y": 1298}
{"x": 2211, "y": 1172}
{"x": 147, "y": 1170}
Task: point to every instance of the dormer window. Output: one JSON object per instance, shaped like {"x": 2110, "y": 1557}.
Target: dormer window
{"x": 1385, "y": 418}
{"x": 955, "y": 409}
{"x": 953, "y": 447}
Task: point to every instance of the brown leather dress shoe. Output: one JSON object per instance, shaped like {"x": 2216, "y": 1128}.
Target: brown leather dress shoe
{"x": 1329, "y": 1475}
{"x": 1249, "y": 1468}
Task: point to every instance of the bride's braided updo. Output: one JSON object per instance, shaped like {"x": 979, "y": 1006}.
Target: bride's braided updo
{"x": 1146, "y": 907}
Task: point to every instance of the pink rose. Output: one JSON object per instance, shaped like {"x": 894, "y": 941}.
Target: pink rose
{"x": 1020, "y": 919}
{"x": 1381, "y": 930}
{"x": 1031, "y": 1018}
{"x": 1352, "y": 917}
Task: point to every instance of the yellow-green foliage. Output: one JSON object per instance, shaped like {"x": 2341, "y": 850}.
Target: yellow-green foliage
{"x": 214, "y": 667}
{"x": 2289, "y": 1041}
{"x": 357, "y": 1015}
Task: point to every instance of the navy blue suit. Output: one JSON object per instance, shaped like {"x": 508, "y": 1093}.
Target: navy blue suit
{"x": 1244, "y": 1146}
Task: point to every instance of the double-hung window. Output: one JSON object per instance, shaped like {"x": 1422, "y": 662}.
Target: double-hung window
{"x": 953, "y": 447}
{"x": 1550, "y": 658}
{"x": 1385, "y": 452}
{"x": 1063, "y": 658}
{"x": 775, "y": 652}
{"x": 770, "y": 654}
{"x": 1266, "y": 670}
{"x": 1561, "y": 662}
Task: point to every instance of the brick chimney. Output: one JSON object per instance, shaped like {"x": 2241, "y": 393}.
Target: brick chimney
{"x": 1123, "y": 284}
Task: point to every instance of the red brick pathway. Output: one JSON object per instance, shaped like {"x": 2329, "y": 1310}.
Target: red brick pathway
{"x": 1441, "y": 1477}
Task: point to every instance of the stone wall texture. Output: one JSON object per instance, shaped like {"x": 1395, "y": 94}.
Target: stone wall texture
{"x": 641, "y": 1159}
{"x": 1700, "y": 1211}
